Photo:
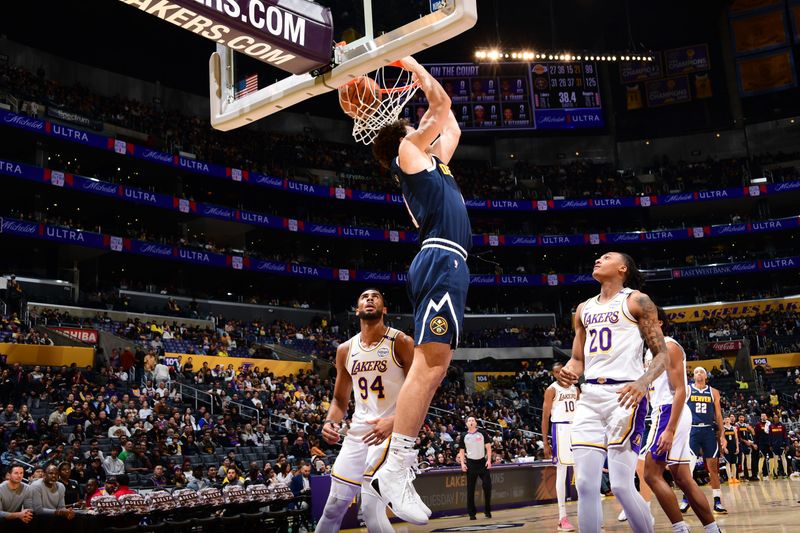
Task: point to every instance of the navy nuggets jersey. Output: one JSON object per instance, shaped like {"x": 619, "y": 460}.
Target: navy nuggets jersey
{"x": 701, "y": 404}
{"x": 435, "y": 204}
{"x": 438, "y": 279}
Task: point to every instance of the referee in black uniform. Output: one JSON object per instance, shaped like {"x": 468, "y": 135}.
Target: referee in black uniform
{"x": 475, "y": 456}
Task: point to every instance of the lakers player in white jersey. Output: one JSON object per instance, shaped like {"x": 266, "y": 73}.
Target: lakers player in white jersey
{"x": 610, "y": 331}
{"x": 668, "y": 441}
{"x": 373, "y": 365}
{"x": 558, "y": 411}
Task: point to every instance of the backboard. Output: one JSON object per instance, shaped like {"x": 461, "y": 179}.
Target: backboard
{"x": 377, "y": 32}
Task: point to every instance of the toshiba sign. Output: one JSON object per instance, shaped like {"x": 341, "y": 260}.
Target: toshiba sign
{"x": 89, "y": 336}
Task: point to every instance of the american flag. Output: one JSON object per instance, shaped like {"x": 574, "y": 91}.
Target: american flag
{"x": 247, "y": 86}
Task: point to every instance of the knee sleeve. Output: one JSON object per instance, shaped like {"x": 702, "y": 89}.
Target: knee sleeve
{"x": 339, "y": 500}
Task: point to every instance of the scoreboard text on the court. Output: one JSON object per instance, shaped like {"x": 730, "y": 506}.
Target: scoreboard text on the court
{"x": 514, "y": 96}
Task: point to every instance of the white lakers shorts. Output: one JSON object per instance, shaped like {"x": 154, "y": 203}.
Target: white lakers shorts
{"x": 562, "y": 449}
{"x": 600, "y": 422}
{"x": 357, "y": 460}
{"x": 680, "y": 452}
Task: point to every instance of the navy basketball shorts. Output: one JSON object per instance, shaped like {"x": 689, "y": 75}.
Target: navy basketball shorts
{"x": 703, "y": 441}
{"x": 438, "y": 281}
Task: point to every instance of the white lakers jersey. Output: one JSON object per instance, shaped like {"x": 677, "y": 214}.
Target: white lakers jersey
{"x": 661, "y": 392}
{"x": 564, "y": 403}
{"x": 614, "y": 345}
{"x": 377, "y": 377}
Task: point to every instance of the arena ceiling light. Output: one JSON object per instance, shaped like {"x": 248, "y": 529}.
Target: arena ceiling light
{"x": 497, "y": 55}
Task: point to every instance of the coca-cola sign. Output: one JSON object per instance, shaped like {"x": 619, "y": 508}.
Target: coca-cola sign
{"x": 729, "y": 346}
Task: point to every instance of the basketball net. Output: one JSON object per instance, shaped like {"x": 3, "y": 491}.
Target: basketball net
{"x": 396, "y": 87}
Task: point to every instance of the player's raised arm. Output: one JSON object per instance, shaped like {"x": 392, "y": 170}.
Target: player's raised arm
{"x": 445, "y": 146}
{"x": 436, "y": 118}
{"x": 573, "y": 370}
{"x": 646, "y": 314}
{"x": 341, "y": 396}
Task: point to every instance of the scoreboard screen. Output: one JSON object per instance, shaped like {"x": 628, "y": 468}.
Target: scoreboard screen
{"x": 517, "y": 96}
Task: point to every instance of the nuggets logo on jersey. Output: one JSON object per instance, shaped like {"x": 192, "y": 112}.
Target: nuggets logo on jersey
{"x": 439, "y": 326}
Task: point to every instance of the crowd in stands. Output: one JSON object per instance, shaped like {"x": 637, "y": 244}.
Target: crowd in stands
{"x": 512, "y": 337}
{"x": 234, "y": 338}
{"x": 291, "y": 155}
{"x": 768, "y": 333}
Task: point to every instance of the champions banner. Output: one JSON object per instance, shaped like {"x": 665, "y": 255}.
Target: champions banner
{"x": 111, "y": 243}
{"x": 696, "y": 313}
{"x": 668, "y": 91}
{"x": 687, "y": 60}
{"x": 634, "y": 71}
{"x": 198, "y": 167}
{"x": 140, "y": 196}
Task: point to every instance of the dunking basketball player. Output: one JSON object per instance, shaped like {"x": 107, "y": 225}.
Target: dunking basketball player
{"x": 610, "y": 331}
{"x": 668, "y": 440}
{"x": 437, "y": 280}
{"x": 373, "y": 364}
{"x": 558, "y": 411}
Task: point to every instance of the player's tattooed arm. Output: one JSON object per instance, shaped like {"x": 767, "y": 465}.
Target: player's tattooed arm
{"x": 653, "y": 336}
{"x": 645, "y": 312}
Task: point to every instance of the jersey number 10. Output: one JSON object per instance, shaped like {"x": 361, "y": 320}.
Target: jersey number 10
{"x": 376, "y": 386}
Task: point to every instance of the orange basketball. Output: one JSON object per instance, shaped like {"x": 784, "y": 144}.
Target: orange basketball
{"x": 360, "y": 98}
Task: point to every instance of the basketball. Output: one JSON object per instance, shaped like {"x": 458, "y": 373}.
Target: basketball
{"x": 360, "y": 98}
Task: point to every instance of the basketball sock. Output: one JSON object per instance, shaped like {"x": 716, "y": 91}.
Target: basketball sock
{"x": 588, "y": 463}
{"x": 374, "y": 513}
{"x": 711, "y": 528}
{"x": 680, "y": 527}
{"x": 401, "y": 452}
{"x": 621, "y": 470}
{"x": 717, "y": 493}
{"x": 561, "y": 489}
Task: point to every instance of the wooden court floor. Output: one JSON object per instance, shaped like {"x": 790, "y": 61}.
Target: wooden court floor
{"x": 760, "y": 506}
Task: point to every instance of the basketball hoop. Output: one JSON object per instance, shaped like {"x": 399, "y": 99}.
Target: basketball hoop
{"x": 376, "y": 102}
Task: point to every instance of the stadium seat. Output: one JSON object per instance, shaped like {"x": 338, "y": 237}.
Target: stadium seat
{"x": 208, "y": 524}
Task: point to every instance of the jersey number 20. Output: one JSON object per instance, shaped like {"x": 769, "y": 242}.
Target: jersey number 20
{"x": 376, "y": 386}
{"x": 599, "y": 339}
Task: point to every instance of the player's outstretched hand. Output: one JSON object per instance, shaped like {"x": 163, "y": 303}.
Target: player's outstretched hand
{"x": 381, "y": 430}
{"x": 630, "y": 394}
{"x": 330, "y": 432}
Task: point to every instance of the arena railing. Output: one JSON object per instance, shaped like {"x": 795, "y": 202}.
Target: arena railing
{"x": 209, "y": 398}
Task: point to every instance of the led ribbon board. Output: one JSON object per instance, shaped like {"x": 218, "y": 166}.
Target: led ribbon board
{"x": 293, "y": 35}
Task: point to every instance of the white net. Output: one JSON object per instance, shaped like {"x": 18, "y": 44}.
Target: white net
{"x": 377, "y": 102}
